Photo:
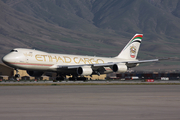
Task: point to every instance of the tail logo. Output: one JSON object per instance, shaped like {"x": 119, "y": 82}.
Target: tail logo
{"x": 132, "y": 51}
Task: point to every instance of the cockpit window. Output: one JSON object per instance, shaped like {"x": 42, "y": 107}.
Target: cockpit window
{"x": 13, "y": 51}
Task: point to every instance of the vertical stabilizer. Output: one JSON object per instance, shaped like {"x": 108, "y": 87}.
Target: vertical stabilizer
{"x": 130, "y": 51}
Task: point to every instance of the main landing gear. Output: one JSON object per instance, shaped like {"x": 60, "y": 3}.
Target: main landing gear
{"x": 74, "y": 78}
{"x": 60, "y": 77}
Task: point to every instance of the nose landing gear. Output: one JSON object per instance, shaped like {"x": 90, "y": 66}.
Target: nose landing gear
{"x": 17, "y": 75}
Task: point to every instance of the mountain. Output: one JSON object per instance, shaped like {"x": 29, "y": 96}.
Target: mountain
{"x": 93, "y": 27}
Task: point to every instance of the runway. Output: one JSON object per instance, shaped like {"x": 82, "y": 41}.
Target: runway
{"x": 90, "y": 102}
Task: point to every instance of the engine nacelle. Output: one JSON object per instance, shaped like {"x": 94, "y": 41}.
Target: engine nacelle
{"x": 35, "y": 73}
{"x": 84, "y": 70}
{"x": 119, "y": 68}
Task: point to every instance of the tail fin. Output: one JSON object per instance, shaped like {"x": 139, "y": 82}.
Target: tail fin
{"x": 130, "y": 51}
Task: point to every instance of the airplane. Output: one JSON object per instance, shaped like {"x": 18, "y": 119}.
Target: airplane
{"x": 37, "y": 62}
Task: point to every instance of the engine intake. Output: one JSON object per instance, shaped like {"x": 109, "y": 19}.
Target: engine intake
{"x": 119, "y": 68}
{"x": 84, "y": 70}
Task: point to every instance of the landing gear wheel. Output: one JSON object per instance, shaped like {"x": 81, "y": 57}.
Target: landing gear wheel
{"x": 73, "y": 78}
{"x": 78, "y": 78}
{"x": 17, "y": 76}
{"x": 82, "y": 78}
{"x": 59, "y": 78}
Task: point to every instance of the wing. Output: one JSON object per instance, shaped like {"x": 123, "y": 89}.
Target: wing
{"x": 109, "y": 64}
{"x": 101, "y": 68}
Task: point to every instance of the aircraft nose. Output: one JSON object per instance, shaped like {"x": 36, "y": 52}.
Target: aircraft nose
{"x": 6, "y": 59}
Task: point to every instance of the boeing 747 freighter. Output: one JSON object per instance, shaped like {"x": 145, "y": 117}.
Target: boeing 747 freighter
{"x": 37, "y": 62}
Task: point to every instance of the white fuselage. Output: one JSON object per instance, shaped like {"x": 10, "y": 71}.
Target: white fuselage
{"x": 29, "y": 59}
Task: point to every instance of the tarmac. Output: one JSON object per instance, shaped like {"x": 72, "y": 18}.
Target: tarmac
{"x": 11, "y": 82}
{"x": 90, "y": 102}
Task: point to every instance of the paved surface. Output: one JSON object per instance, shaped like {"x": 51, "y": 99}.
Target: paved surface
{"x": 95, "y": 81}
{"x": 101, "y": 102}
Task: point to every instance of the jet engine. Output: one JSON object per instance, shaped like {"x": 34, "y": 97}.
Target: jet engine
{"x": 84, "y": 70}
{"x": 119, "y": 68}
{"x": 35, "y": 73}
